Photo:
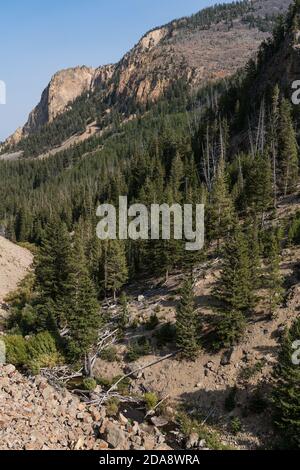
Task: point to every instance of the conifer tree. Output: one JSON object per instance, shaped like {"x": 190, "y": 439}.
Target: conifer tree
{"x": 288, "y": 150}
{"x": 274, "y": 277}
{"x": 229, "y": 329}
{"x": 252, "y": 235}
{"x": 52, "y": 269}
{"x": 114, "y": 266}
{"x": 234, "y": 288}
{"x": 83, "y": 312}
{"x": 186, "y": 321}
{"x": 259, "y": 186}
{"x": 221, "y": 211}
{"x": 274, "y": 122}
{"x": 287, "y": 389}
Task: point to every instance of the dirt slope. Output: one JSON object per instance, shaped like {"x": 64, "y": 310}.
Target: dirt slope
{"x": 14, "y": 264}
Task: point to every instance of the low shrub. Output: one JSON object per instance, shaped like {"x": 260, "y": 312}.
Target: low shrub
{"x": 235, "y": 426}
{"x": 151, "y": 400}
{"x": 138, "y": 349}
{"x": 153, "y": 322}
{"x": 189, "y": 425}
{"x": 89, "y": 384}
{"x": 16, "y": 350}
{"x": 109, "y": 354}
{"x": 166, "y": 334}
{"x": 112, "y": 407}
{"x": 250, "y": 372}
{"x": 36, "y": 352}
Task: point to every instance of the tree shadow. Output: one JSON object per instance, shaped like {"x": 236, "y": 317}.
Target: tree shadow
{"x": 251, "y": 404}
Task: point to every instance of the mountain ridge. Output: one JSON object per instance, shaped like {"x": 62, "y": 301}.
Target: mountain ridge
{"x": 196, "y": 49}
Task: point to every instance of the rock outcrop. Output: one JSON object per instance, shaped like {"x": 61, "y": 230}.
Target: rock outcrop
{"x": 64, "y": 87}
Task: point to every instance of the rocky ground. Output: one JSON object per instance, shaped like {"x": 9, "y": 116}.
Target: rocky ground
{"x": 35, "y": 416}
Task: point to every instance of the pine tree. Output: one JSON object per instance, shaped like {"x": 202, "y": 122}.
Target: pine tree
{"x": 115, "y": 270}
{"x": 186, "y": 321}
{"x": 274, "y": 121}
{"x": 52, "y": 269}
{"x": 229, "y": 329}
{"x": 274, "y": 279}
{"x": 288, "y": 150}
{"x": 221, "y": 210}
{"x": 235, "y": 289}
{"x": 252, "y": 235}
{"x": 259, "y": 186}
{"x": 83, "y": 311}
{"x": 287, "y": 389}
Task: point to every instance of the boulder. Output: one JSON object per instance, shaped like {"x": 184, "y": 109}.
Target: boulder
{"x": 226, "y": 358}
{"x": 115, "y": 436}
{"x": 159, "y": 421}
{"x": 193, "y": 440}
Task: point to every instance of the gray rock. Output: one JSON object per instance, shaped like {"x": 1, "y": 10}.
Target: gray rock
{"x": 202, "y": 443}
{"x": 192, "y": 441}
{"x": 158, "y": 421}
{"x": 115, "y": 437}
{"x": 226, "y": 358}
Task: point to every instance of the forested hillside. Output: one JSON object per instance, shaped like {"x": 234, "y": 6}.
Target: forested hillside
{"x": 233, "y": 145}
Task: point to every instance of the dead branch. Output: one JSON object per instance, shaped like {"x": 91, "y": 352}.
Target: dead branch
{"x": 140, "y": 369}
{"x": 157, "y": 406}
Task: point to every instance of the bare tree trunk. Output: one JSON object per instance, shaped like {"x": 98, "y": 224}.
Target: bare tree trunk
{"x": 88, "y": 367}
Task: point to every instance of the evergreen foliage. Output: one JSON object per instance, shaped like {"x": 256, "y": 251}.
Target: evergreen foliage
{"x": 287, "y": 390}
{"x": 186, "y": 321}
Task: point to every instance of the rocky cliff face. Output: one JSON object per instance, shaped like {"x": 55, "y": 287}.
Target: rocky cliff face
{"x": 183, "y": 49}
{"x": 64, "y": 87}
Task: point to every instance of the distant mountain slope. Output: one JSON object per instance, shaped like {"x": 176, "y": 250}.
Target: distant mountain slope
{"x": 209, "y": 45}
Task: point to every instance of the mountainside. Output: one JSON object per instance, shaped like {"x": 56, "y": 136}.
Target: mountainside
{"x": 211, "y": 44}
{"x": 197, "y": 344}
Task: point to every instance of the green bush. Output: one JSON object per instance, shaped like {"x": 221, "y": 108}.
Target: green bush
{"x": 152, "y": 323}
{"x": 112, "y": 407}
{"x": 89, "y": 384}
{"x": 189, "y": 425}
{"x": 41, "y": 344}
{"x": 16, "y": 350}
{"x": 104, "y": 382}
{"x": 250, "y": 372}
{"x": 151, "y": 400}
{"x": 123, "y": 386}
{"x": 36, "y": 352}
{"x": 138, "y": 349}
{"x": 235, "y": 426}
{"x": 166, "y": 334}
{"x": 109, "y": 354}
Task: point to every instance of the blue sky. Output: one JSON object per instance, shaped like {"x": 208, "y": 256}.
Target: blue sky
{"x": 40, "y": 37}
